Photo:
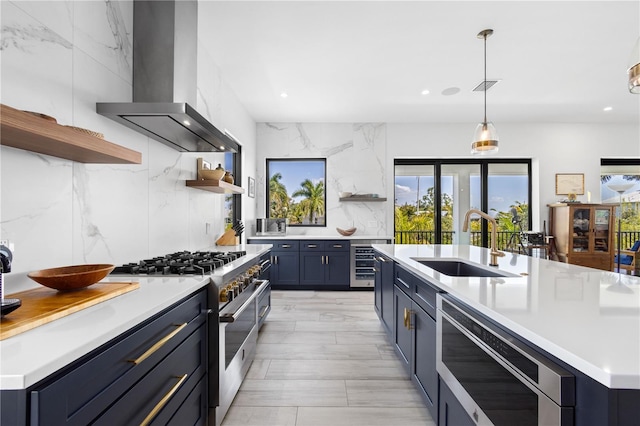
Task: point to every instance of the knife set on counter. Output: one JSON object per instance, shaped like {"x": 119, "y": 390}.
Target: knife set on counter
{"x": 231, "y": 237}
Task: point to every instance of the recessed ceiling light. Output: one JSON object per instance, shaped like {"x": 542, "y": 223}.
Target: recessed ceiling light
{"x": 221, "y": 147}
{"x": 608, "y": 108}
{"x": 451, "y": 91}
{"x": 186, "y": 122}
{"x": 283, "y": 95}
{"x": 425, "y": 92}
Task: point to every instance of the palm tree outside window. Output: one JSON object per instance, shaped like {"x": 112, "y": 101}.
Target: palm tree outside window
{"x": 296, "y": 190}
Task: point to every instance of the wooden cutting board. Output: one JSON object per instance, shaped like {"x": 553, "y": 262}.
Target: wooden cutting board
{"x": 43, "y": 305}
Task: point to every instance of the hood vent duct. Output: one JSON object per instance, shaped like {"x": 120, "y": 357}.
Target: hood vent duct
{"x": 165, "y": 44}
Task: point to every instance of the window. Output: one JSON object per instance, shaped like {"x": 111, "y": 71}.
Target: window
{"x": 296, "y": 191}
{"x": 233, "y": 203}
{"x": 623, "y": 175}
{"x": 433, "y": 196}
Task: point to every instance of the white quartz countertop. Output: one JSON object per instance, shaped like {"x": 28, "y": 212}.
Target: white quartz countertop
{"x": 588, "y": 318}
{"x": 33, "y": 355}
{"x": 318, "y": 237}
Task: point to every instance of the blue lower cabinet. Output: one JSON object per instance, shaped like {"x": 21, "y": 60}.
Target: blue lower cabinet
{"x": 325, "y": 264}
{"x": 451, "y": 412}
{"x": 116, "y": 384}
{"x": 285, "y": 268}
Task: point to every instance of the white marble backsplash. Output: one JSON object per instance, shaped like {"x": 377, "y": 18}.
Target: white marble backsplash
{"x": 60, "y": 58}
{"x": 355, "y": 155}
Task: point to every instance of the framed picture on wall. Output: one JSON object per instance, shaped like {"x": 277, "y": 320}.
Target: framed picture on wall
{"x": 569, "y": 183}
{"x": 252, "y": 187}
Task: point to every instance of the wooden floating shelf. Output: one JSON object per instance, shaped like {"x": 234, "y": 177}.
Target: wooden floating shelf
{"x": 363, "y": 199}
{"x": 217, "y": 186}
{"x": 23, "y": 130}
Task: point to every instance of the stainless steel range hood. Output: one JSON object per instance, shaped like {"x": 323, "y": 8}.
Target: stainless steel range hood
{"x": 165, "y": 44}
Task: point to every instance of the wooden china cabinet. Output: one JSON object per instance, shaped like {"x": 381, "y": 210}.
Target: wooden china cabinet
{"x": 583, "y": 233}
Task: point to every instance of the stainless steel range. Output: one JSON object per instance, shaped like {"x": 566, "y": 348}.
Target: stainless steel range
{"x": 238, "y": 303}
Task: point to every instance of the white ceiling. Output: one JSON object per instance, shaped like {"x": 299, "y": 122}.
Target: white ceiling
{"x": 368, "y": 61}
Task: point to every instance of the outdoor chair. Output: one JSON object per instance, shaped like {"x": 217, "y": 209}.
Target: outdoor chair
{"x": 627, "y": 258}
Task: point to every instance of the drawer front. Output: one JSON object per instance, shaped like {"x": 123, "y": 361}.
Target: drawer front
{"x": 405, "y": 280}
{"x": 425, "y": 296}
{"x": 285, "y": 245}
{"x": 340, "y": 245}
{"x": 312, "y": 245}
{"x": 162, "y": 391}
{"x": 95, "y": 382}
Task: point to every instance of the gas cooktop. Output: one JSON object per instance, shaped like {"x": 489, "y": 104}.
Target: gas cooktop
{"x": 180, "y": 263}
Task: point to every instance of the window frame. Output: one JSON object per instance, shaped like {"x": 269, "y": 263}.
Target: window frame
{"x": 268, "y": 195}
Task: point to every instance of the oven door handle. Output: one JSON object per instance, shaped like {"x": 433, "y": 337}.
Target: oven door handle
{"x": 231, "y": 317}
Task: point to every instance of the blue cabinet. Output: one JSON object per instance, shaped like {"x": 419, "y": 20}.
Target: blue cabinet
{"x": 285, "y": 262}
{"x": 383, "y": 289}
{"x": 325, "y": 263}
{"x": 127, "y": 379}
{"x": 451, "y": 412}
{"x": 414, "y": 333}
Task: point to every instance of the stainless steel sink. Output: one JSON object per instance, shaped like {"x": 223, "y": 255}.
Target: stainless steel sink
{"x": 458, "y": 268}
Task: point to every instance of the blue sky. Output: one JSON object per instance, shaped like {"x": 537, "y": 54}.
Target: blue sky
{"x": 295, "y": 172}
{"x": 503, "y": 190}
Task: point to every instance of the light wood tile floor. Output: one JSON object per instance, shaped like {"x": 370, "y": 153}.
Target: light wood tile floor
{"x": 323, "y": 360}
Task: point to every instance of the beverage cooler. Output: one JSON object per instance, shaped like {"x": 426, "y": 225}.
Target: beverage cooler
{"x": 362, "y": 258}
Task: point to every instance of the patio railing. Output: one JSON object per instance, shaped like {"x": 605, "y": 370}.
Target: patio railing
{"x": 627, "y": 238}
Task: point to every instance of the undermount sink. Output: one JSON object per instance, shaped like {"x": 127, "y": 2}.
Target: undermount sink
{"x": 458, "y": 268}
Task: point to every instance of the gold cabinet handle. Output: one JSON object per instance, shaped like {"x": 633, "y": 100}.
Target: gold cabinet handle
{"x": 286, "y": 246}
{"x": 157, "y": 345}
{"x": 326, "y": 260}
{"x": 160, "y": 405}
{"x": 407, "y": 318}
{"x": 337, "y": 246}
{"x": 312, "y": 245}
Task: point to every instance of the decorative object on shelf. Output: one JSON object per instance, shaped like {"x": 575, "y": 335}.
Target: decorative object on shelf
{"x": 569, "y": 183}
{"x": 87, "y": 131}
{"x": 620, "y": 189}
{"x": 205, "y": 172}
{"x": 73, "y": 277}
{"x": 485, "y": 138}
{"x": 346, "y": 232}
{"x": 252, "y": 187}
{"x": 345, "y": 194}
{"x": 228, "y": 177}
{"x": 633, "y": 72}
{"x": 40, "y": 115}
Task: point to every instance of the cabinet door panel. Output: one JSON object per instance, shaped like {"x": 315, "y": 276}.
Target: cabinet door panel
{"x": 451, "y": 412}
{"x": 387, "y": 272}
{"x": 337, "y": 268}
{"x": 424, "y": 358}
{"x": 285, "y": 268}
{"x": 402, "y": 331}
{"x": 312, "y": 268}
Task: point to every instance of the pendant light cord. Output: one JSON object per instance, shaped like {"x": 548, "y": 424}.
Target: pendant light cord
{"x": 485, "y": 79}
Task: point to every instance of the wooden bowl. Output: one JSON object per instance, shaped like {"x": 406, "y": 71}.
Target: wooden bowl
{"x": 346, "y": 232}
{"x": 71, "y": 277}
{"x": 212, "y": 174}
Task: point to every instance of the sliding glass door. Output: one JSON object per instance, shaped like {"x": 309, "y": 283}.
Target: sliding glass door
{"x": 432, "y": 198}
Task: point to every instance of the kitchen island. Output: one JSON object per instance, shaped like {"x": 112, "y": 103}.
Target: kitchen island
{"x": 586, "y": 320}
{"x": 45, "y": 353}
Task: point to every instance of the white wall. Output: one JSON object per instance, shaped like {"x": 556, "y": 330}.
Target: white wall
{"x": 553, "y": 148}
{"x": 60, "y": 58}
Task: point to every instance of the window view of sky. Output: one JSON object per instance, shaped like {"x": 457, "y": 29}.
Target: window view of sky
{"x": 295, "y": 172}
{"x": 504, "y": 191}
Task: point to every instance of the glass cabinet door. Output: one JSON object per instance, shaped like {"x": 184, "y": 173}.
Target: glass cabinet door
{"x": 581, "y": 227}
{"x": 602, "y": 231}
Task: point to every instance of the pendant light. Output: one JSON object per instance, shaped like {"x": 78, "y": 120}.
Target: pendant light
{"x": 485, "y": 138}
{"x": 634, "y": 69}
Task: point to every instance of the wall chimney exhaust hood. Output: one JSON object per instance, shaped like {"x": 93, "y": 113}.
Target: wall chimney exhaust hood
{"x": 165, "y": 44}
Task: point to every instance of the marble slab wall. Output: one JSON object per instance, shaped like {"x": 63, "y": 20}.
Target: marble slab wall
{"x": 355, "y": 156}
{"x": 60, "y": 58}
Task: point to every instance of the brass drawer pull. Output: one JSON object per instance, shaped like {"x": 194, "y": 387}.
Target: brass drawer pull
{"x": 160, "y": 405}
{"x": 312, "y": 245}
{"x": 337, "y": 246}
{"x": 286, "y": 246}
{"x": 157, "y": 345}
